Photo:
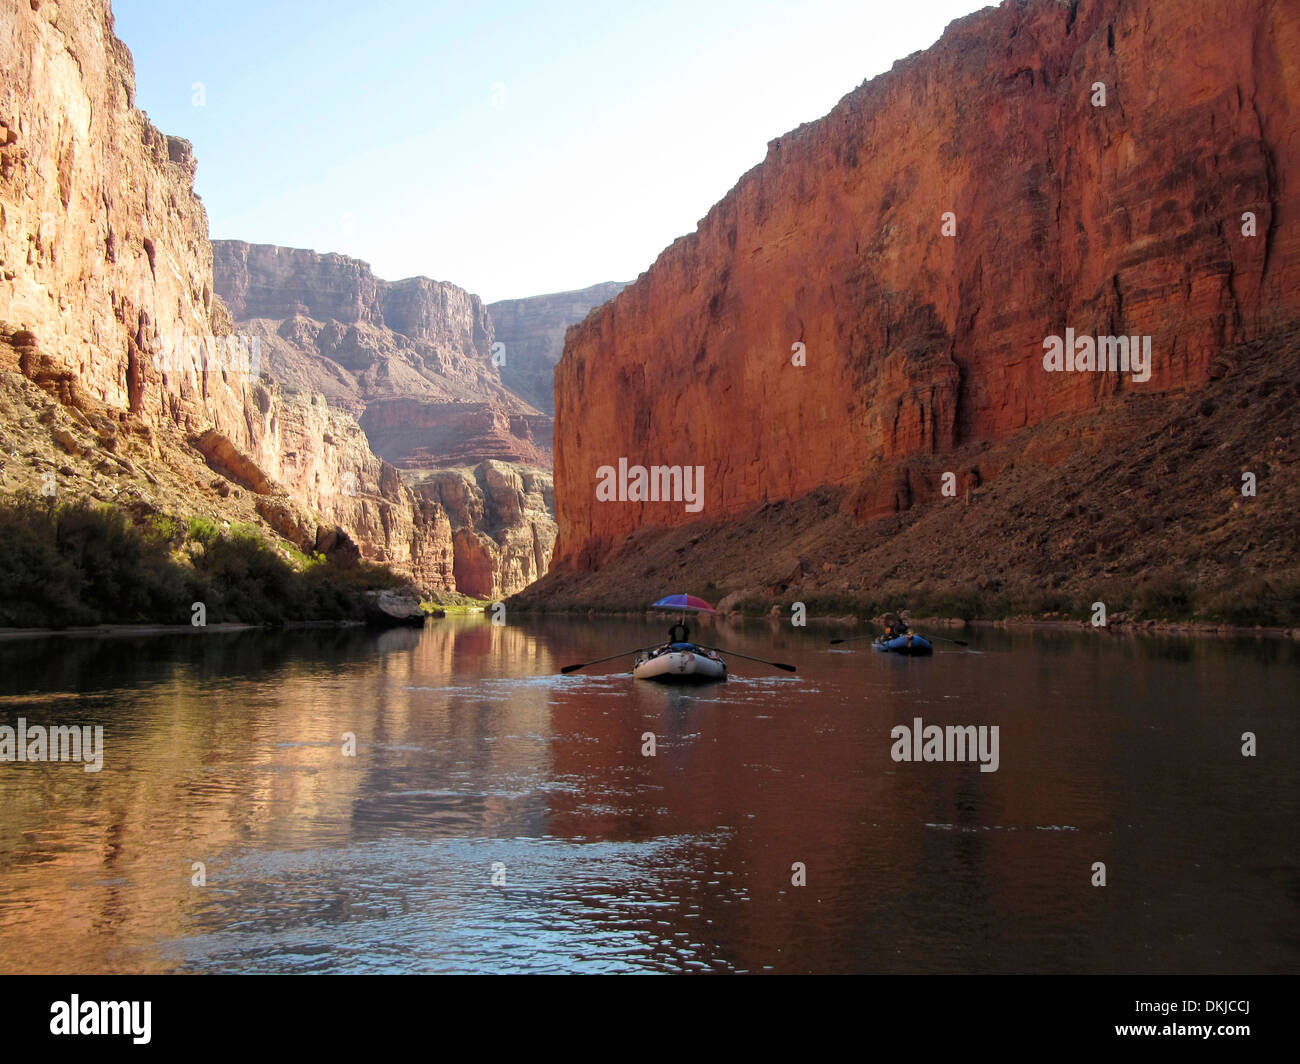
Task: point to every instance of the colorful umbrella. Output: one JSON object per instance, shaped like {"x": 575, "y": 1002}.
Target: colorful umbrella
{"x": 683, "y": 602}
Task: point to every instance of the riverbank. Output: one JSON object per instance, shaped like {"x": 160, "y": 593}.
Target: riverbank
{"x": 109, "y": 631}
{"x": 69, "y": 565}
{"x": 1117, "y": 626}
{"x": 132, "y": 631}
{"x": 1121, "y": 627}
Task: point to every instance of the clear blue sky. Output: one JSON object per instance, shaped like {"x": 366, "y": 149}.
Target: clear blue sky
{"x": 511, "y": 148}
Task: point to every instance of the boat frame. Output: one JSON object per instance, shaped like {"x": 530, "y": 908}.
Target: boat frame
{"x": 680, "y": 663}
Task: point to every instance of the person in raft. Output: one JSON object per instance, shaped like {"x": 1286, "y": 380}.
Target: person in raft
{"x": 894, "y": 626}
{"x": 679, "y": 633}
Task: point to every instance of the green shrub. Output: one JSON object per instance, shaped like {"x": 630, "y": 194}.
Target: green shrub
{"x": 1272, "y": 600}
{"x": 83, "y": 563}
{"x": 165, "y": 529}
{"x": 1164, "y": 596}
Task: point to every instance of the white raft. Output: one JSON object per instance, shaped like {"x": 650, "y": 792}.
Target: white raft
{"x": 680, "y": 666}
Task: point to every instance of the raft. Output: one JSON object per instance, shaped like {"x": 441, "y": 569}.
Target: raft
{"x": 918, "y": 646}
{"x": 680, "y": 663}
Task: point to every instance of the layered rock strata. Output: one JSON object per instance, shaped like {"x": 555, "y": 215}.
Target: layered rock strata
{"x": 414, "y": 361}
{"x": 125, "y": 378}
{"x": 880, "y": 287}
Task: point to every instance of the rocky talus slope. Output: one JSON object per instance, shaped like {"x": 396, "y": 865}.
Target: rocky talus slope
{"x": 1169, "y": 507}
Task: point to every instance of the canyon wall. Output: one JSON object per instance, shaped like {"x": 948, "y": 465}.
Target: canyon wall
{"x": 503, "y": 531}
{"x": 103, "y": 244}
{"x": 411, "y": 359}
{"x": 532, "y": 331}
{"x": 1122, "y": 218}
{"x": 121, "y": 376}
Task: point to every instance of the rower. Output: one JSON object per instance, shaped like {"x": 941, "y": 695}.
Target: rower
{"x": 679, "y": 633}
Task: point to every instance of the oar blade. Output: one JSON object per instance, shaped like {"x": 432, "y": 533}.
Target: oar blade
{"x": 852, "y": 638}
{"x": 748, "y": 657}
{"x": 599, "y": 661}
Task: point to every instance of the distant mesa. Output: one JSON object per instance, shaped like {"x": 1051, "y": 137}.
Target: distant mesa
{"x": 410, "y": 359}
{"x": 532, "y": 331}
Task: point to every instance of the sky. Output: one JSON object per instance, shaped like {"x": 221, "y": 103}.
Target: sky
{"x": 511, "y": 148}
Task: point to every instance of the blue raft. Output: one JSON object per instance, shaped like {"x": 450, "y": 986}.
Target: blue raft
{"x": 915, "y": 645}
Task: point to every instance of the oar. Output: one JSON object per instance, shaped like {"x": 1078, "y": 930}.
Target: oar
{"x": 944, "y": 640}
{"x": 853, "y": 638}
{"x": 584, "y": 664}
{"x": 761, "y": 661}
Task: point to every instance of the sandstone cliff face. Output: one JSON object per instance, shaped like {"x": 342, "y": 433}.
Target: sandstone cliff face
{"x": 118, "y": 377}
{"x": 419, "y": 434}
{"x": 445, "y": 325}
{"x": 503, "y": 531}
{"x": 103, "y": 245}
{"x": 411, "y": 359}
{"x": 532, "y": 331}
{"x": 107, "y": 284}
{"x": 1136, "y": 503}
{"x": 1122, "y": 219}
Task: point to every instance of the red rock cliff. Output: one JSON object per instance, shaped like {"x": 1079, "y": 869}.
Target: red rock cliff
{"x": 111, "y": 383}
{"x": 1116, "y": 219}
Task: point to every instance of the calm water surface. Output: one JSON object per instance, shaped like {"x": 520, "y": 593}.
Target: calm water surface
{"x": 473, "y": 755}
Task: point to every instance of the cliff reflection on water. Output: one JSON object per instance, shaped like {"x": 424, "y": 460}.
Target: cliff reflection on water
{"x": 473, "y": 757}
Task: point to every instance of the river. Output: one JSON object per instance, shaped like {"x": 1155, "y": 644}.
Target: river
{"x": 490, "y": 815}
